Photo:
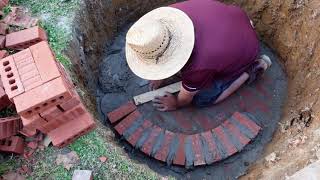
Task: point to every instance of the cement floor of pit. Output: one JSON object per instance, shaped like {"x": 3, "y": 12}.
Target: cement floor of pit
{"x": 117, "y": 85}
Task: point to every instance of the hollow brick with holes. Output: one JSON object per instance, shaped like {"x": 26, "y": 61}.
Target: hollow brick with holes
{"x": 10, "y": 77}
{"x": 33, "y": 122}
{"x": 25, "y": 38}
{"x": 13, "y": 144}
{"x": 68, "y": 132}
{"x": 42, "y": 97}
{"x": 9, "y": 126}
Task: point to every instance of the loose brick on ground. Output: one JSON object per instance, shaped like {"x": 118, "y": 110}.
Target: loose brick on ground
{"x": 10, "y": 77}
{"x": 45, "y": 61}
{"x": 25, "y": 38}
{"x": 121, "y": 112}
{"x": 246, "y": 121}
{"x": 133, "y": 139}
{"x": 71, "y": 130}
{"x": 147, "y": 146}
{"x": 197, "y": 150}
{"x": 180, "y": 157}
{"x": 28, "y": 132}
{"x": 164, "y": 150}
{"x": 9, "y": 126}
{"x": 42, "y": 97}
{"x": 13, "y": 144}
{"x": 126, "y": 123}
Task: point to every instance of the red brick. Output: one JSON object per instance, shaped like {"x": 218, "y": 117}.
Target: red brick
{"x": 9, "y": 126}
{"x": 244, "y": 120}
{"x": 231, "y": 149}
{"x": 236, "y": 132}
{"x": 27, "y": 69}
{"x": 51, "y": 114}
{"x": 10, "y": 77}
{"x": 42, "y": 97}
{"x": 3, "y": 54}
{"x": 33, "y": 122}
{"x": 3, "y": 28}
{"x": 147, "y": 146}
{"x": 180, "y": 157}
{"x": 205, "y": 122}
{"x": 25, "y": 38}
{"x": 121, "y": 112}
{"x": 162, "y": 153}
{"x": 74, "y": 101}
{"x": 133, "y": 139}
{"x": 72, "y": 130}
{"x": 3, "y": 3}
{"x": 28, "y": 132}
{"x": 63, "y": 118}
{"x": 211, "y": 145}
{"x": 126, "y": 123}
{"x": 4, "y": 100}
{"x": 14, "y": 144}
{"x": 182, "y": 120}
{"x": 2, "y": 41}
{"x": 197, "y": 150}
{"x": 45, "y": 61}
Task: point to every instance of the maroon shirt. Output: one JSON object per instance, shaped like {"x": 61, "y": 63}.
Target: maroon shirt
{"x": 225, "y": 43}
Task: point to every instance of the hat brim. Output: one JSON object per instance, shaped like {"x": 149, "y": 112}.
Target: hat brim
{"x": 178, "y": 51}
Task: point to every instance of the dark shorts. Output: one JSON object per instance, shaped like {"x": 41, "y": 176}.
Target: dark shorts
{"x": 207, "y": 97}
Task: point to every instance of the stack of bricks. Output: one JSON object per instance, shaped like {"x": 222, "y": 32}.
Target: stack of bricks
{"x": 43, "y": 94}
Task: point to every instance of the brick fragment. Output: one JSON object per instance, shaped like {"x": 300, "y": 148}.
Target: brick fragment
{"x": 231, "y": 149}
{"x": 3, "y": 29}
{"x": 147, "y": 146}
{"x": 246, "y": 121}
{"x": 42, "y": 97}
{"x": 121, "y": 112}
{"x": 9, "y": 126}
{"x": 44, "y": 58}
{"x": 126, "y": 123}
{"x": 133, "y": 139}
{"x": 71, "y": 130}
{"x": 10, "y": 77}
{"x": 3, "y": 54}
{"x": 4, "y": 100}
{"x": 13, "y": 144}
{"x": 162, "y": 153}
{"x": 33, "y": 122}
{"x": 197, "y": 150}
{"x": 28, "y": 132}
{"x": 25, "y": 38}
{"x": 2, "y": 41}
{"x": 180, "y": 157}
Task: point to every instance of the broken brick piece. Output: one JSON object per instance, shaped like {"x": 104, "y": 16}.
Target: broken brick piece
{"x": 10, "y": 77}
{"x": 162, "y": 153}
{"x": 246, "y": 121}
{"x": 28, "y": 132}
{"x": 2, "y": 41}
{"x": 126, "y": 123}
{"x": 197, "y": 150}
{"x": 4, "y": 100}
{"x": 121, "y": 112}
{"x": 42, "y": 97}
{"x": 71, "y": 130}
{"x": 148, "y": 144}
{"x": 133, "y": 139}
{"x": 33, "y": 122}
{"x": 180, "y": 157}
{"x": 3, "y": 54}
{"x": 45, "y": 61}
{"x": 9, "y": 126}
{"x": 3, "y": 28}
{"x": 25, "y": 38}
{"x": 13, "y": 144}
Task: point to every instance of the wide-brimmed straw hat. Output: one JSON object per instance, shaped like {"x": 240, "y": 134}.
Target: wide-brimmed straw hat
{"x": 160, "y": 43}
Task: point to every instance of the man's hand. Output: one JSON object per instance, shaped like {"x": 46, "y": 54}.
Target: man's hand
{"x": 153, "y": 85}
{"x": 166, "y": 103}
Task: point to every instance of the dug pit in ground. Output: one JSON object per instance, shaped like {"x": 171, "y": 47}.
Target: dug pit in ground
{"x": 290, "y": 28}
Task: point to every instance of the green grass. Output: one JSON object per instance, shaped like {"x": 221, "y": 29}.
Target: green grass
{"x": 56, "y": 18}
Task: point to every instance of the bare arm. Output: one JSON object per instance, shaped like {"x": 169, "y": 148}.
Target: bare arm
{"x": 185, "y": 97}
